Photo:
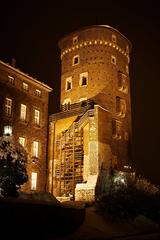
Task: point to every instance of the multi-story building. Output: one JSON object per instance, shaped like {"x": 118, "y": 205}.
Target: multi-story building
{"x": 24, "y": 114}
{"x": 93, "y": 130}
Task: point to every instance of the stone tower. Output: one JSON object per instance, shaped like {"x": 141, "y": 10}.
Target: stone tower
{"x": 95, "y": 103}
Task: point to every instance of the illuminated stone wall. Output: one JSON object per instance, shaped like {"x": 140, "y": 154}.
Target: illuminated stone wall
{"x": 27, "y": 128}
{"x": 102, "y": 54}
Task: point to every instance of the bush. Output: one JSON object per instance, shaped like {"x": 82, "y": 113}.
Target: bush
{"x": 131, "y": 198}
{"x": 13, "y": 160}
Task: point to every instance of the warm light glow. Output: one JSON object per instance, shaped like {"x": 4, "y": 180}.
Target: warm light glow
{"x": 8, "y": 130}
{"x": 34, "y": 181}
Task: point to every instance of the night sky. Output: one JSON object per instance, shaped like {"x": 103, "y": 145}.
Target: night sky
{"x": 30, "y": 33}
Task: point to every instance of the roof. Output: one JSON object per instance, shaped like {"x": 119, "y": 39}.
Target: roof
{"x": 43, "y": 85}
{"x": 100, "y": 26}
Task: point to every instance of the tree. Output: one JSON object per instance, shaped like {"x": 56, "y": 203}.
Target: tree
{"x": 13, "y": 161}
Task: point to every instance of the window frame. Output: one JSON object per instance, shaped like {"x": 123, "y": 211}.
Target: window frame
{"x": 37, "y": 117}
{"x": 34, "y": 176}
{"x": 25, "y": 86}
{"x": 8, "y": 106}
{"x": 22, "y": 141}
{"x": 85, "y": 75}
{"x": 23, "y": 113}
{"x": 35, "y": 149}
{"x": 68, "y": 80}
{"x": 73, "y": 60}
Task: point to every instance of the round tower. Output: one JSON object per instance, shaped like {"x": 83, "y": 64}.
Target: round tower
{"x": 94, "y": 65}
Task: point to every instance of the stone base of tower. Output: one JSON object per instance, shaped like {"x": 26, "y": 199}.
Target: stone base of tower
{"x": 86, "y": 191}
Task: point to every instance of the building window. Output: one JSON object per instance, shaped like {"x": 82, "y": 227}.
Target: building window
{"x": 38, "y": 92}
{"x": 11, "y": 80}
{"x": 25, "y": 86}
{"x": 23, "y": 112}
{"x": 83, "y": 79}
{"x": 116, "y": 129}
{"x": 68, "y": 83}
{"x": 75, "y": 40}
{"x": 35, "y": 149}
{"x": 7, "y": 130}
{"x": 114, "y": 38}
{"x": 122, "y": 82}
{"x": 33, "y": 181}
{"x": 120, "y": 107}
{"x": 113, "y": 60}
{"x": 22, "y": 141}
{"x": 36, "y": 117}
{"x": 75, "y": 60}
{"x": 8, "y": 107}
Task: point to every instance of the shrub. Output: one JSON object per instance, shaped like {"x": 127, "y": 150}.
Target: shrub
{"x": 13, "y": 160}
{"x": 130, "y": 198}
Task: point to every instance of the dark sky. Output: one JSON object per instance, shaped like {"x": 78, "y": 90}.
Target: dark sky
{"x": 30, "y": 33}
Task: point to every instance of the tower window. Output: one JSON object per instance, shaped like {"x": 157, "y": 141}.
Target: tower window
{"x": 114, "y": 38}
{"x": 113, "y": 60}
{"x": 75, "y": 40}
{"x": 116, "y": 129}
{"x": 25, "y": 86}
{"x": 33, "y": 181}
{"x": 75, "y": 60}
{"x": 83, "y": 79}
{"x": 11, "y": 80}
{"x": 7, "y": 130}
{"x": 68, "y": 83}
{"x": 127, "y": 69}
{"x": 23, "y": 112}
{"x": 8, "y": 107}
{"x": 122, "y": 82}
{"x": 22, "y": 141}
{"x": 120, "y": 107}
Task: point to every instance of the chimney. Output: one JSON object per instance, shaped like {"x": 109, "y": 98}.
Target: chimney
{"x": 13, "y": 63}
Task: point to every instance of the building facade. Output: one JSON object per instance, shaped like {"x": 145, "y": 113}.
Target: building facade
{"x": 24, "y": 114}
{"x": 93, "y": 130}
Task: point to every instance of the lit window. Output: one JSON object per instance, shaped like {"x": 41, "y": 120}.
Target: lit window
{"x": 11, "y": 80}
{"x": 8, "y": 107}
{"x": 66, "y": 104}
{"x": 113, "y": 60}
{"x": 68, "y": 83}
{"x": 7, "y": 130}
{"x": 35, "y": 149}
{"x": 122, "y": 82}
{"x": 127, "y": 49}
{"x": 36, "y": 117}
{"x": 75, "y": 60}
{"x": 38, "y": 92}
{"x": 120, "y": 107}
{"x": 75, "y": 40}
{"x": 116, "y": 129}
{"x": 33, "y": 181}
{"x": 25, "y": 86}
{"x": 83, "y": 79}
{"x": 114, "y": 38}
{"x": 127, "y": 69}
{"x": 23, "y": 112}
{"x": 22, "y": 141}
